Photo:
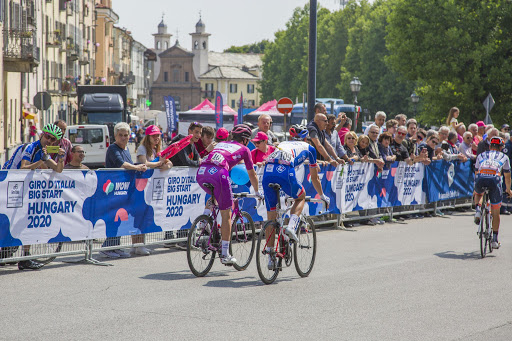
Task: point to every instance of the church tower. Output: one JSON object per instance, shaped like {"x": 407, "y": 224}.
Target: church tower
{"x": 162, "y": 38}
{"x": 200, "y": 49}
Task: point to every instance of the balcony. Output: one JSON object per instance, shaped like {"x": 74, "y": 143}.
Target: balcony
{"x": 72, "y": 52}
{"x": 20, "y": 52}
{"x": 53, "y": 40}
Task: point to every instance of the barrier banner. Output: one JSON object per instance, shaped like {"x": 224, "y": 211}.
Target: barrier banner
{"x": 449, "y": 180}
{"x": 352, "y": 187}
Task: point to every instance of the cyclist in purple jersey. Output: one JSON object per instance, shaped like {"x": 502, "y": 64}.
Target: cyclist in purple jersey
{"x": 489, "y": 165}
{"x": 215, "y": 170}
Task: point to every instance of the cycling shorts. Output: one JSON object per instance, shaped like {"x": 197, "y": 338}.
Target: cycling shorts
{"x": 495, "y": 188}
{"x": 283, "y": 175}
{"x": 219, "y": 178}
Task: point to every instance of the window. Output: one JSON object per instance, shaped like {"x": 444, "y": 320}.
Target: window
{"x": 166, "y": 76}
{"x": 204, "y": 45}
{"x": 186, "y": 77}
{"x": 176, "y": 76}
{"x": 166, "y": 45}
{"x": 251, "y": 103}
{"x": 158, "y": 45}
{"x": 232, "y": 103}
{"x": 86, "y": 136}
{"x": 250, "y": 88}
{"x": 233, "y": 88}
{"x": 196, "y": 45}
{"x": 209, "y": 90}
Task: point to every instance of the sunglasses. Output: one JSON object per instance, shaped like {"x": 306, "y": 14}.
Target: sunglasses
{"x": 403, "y": 134}
{"x": 350, "y": 138}
{"x": 50, "y": 137}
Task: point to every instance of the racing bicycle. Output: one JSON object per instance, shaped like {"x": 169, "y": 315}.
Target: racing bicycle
{"x": 204, "y": 237}
{"x": 303, "y": 253}
{"x": 485, "y": 233}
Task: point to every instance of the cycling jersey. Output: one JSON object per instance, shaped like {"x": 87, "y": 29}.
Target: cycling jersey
{"x": 31, "y": 152}
{"x": 228, "y": 154}
{"x": 492, "y": 163}
{"x": 293, "y": 153}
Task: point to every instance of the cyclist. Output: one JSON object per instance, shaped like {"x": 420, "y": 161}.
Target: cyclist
{"x": 489, "y": 166}
{"x": 280, "y": 169}
{"x": 215, "y": 170}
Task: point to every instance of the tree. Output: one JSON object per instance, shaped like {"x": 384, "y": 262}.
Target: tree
{"x": 258, "y": 47}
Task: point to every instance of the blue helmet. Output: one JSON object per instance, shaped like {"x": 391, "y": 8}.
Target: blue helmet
{"x": 298, "y": 131}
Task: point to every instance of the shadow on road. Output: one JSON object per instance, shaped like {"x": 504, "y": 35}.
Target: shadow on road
{"x": 461, "y": 256}
{"x": 179, "y": 275}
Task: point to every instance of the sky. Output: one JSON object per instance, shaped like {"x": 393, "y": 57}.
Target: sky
{"x": 230, "y": 22}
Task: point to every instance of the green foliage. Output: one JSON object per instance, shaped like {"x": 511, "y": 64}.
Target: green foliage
{"x": 250, "y": 48}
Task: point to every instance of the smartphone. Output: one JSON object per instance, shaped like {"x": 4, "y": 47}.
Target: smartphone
{"x": 52, "y": 149}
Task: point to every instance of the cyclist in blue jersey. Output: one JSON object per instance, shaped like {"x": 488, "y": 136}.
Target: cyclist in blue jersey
{"x": 489, "y": 167}
{"x": 280, "y": 169}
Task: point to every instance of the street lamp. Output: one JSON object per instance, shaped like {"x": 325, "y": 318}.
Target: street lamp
{"x": 415, "y": 99}
{"x": 355, "y": 86}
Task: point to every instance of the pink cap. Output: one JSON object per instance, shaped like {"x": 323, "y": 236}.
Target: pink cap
{"x": 153, "y": 130}
{"x": 480, "y": 124}
{"x": 260, "y": 136}
{"x": 222, "y": 134}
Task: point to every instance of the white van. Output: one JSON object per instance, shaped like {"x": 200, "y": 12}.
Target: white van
{"x": 94, "y": 139}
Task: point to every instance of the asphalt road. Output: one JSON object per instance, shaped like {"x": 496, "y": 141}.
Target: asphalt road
{"x": 421, "y": 280}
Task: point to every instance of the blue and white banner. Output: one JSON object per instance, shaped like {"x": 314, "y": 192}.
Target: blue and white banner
{"x": 449, "y": 180}
{"x": 170, "y": 111}
{"x": 43, "y": 206}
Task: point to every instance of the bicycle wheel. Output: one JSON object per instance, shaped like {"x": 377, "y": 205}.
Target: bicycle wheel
{"x": 304, "y": 251}
{"x": 267, "y": 276}
{"x": 200, "y": 258}
{"x": 47, "y": 248}
{"x": 484, "y": 225}
{"x": 243, "y": 240}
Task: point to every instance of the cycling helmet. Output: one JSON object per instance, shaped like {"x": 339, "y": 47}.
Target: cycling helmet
{"x": 242, "y": 131}
{"x": 52, "y": 129}
{"x": 497, "y": 141}
{"x": 298, "y": 131}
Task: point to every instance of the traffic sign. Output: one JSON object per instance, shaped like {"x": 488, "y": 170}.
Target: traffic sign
{"x": 42, "y": 100}
{"x": 285, "y": 105}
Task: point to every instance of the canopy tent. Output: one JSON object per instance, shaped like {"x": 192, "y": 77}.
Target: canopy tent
{"x": 148, "y": 114}
{"x": 207, "y": 107}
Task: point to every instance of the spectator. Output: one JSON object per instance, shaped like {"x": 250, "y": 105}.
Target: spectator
{"x": 505, "y": 128}
{"x": 222, "y": 135}
{"x": 483, "y": 146}
{"x": 34, "y": 156}
{"x": 324, "y": 149}
{"x": 443, "y": 134}
{"x": 391, "y": 126}
{"x": 480, "y": 133}
{"x": 401, "y": 119}
{"x": 508, "y": 146}
{"x": 450, "y": 149}
{"x": 430, "y": 144}
{"x": 189, "y": 155}
{"x": 78, "y": 155}
{"x": 64, "y": 143}
{"x": 465, "y": 146}
{"x": 451, "y": 120}
{"x": 460, "y": 132}
{"x": 150, "y": 147}
{"x": 380, "y": 118}
{"x": 204, "y": 144}
{"x": 33, "y": 131}
{"x": 473, "y": 129}
{"x": 118, "y": 156}
{"x": 138, "y": 137}
{"x": 262, "y": 150}
{"x": 411, "y": 139}
{"x": 332, "y": 136}
{"x": 385, "y": 149}
{"x": 264, "y": 124}
{"x": 344, "y": 129}
{"x": 398, "y": 149}
{"x": 508, "y": 151}
{"x": 363, "y": 143}
{"x": 351, "y": 147}
{"x": 373, "y": 134}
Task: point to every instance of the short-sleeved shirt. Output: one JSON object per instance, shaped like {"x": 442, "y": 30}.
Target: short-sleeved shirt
{"x": 259, "y": 156}
{"x": 334, "y": 140}
{"x": 23, "y": 152}
{"x": 452, "y": 121}
{"x": 399, "y": 150}
{"x": 293, "y": 153}
{"x": 492, "y": 163}
{"x": 227, "y": 154}
{"x": 356, "y": 152}
{"x": 430, "y": 151}
{"x": 116, "y": 156}
{"x": 316, "y": 133}
{"x": 142, "y": 151}
{"x": 70, "y": 166}
{"x": 65, "y": 144}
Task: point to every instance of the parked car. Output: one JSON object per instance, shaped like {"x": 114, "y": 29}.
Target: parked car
{"x": 94, "y": 139}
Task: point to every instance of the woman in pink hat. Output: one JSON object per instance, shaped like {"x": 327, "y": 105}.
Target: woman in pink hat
{"x": 149, "y": 149}
{"x": 262, "y": 150}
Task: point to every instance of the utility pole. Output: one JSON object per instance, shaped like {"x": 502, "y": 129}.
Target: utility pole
{"x": 312, "y": 60}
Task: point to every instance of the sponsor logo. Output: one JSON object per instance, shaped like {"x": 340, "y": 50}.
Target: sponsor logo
{"x": 119, "y": 188}
{"x": 451, "y": 174}
{"x": 201, "y": 170}
{"x": 270, "y": 167}
{"x": 108, "y": 187}
{"x": 280, "y": 168}
{"x": 212, "y": 171}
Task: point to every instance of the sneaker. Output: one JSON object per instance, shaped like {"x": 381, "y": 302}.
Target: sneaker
{"x": 290, "y": 232}
{"x": 29, "y": 264}
{"x": 141, "y": 251}
{"x": 478, "y": 215}
{"x": 439, "y": 213}
{"x": 495, "y": 245}
{"x": 109, "y": 254}
{"x": 228, "y": 260}
{"x": 122, "y": 253}
{"x": 271, "y": 263}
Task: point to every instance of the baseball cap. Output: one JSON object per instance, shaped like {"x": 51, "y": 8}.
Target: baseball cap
{"x": 505, "y": 126}
{"x": 153, "y": 130}
{"x": 480, "y": 124}
{"x": 222, "y": 134}
{"x": 260, "y": 136}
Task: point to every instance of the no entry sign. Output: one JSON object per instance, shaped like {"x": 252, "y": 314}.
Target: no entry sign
{"x": 285, "y": 105}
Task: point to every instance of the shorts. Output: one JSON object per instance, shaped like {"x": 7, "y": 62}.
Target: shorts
{"x": 219, "y": 178}
{"x": 493, "y": 183}
{"x": 285, "y": 177}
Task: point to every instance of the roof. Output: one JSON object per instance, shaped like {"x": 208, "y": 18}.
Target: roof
{"x": 228, "y": 72}
{"x": 239, "y": 60}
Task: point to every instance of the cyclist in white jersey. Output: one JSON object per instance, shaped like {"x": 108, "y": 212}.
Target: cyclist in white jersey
{"x": 489, "y": 167}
